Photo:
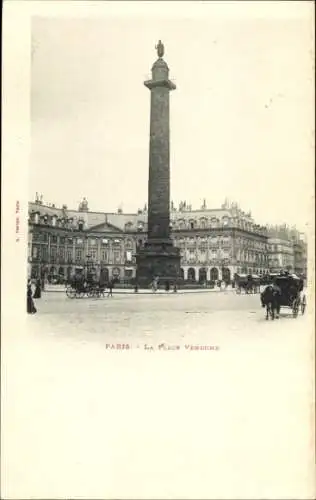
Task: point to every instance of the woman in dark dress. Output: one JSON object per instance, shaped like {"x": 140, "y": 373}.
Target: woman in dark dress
{"x": 38, "y": 292}
{"x": 31, "y": 309}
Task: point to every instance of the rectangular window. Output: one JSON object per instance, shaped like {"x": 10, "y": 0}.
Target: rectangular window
{"x": 104, "y": 255}
{"x": 44, "y": 253}
{"x": 93, "y": 254}
{"x": 37, "y": 236}
{"x": 69, "y": 255}
{"x": 117, "y": 257}
{"x": 78, "y": 254}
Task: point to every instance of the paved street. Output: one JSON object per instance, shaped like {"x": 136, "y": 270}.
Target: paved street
{"x": 209, "y": 317}
{"x": 91, "y": 421}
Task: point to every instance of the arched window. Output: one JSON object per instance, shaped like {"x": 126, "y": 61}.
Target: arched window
{"x": 191, "y": 274}
{"x": 104, "y": 275}
{"x": 203, "y": 223}
{"x": 214, "y": 274}
{"x": 213, "y": 222}
{"x": 226, "y": 275}
{"x": 202, "y": 275}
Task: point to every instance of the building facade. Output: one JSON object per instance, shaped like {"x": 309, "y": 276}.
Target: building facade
{"x": 287, "y": 250}
{"x": 214, "y": 243}
{"x": 281, "y": 255}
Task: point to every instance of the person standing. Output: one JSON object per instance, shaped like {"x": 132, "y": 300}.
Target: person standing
{"x": 111, "y": 286}
{"x": 30, "y": 307}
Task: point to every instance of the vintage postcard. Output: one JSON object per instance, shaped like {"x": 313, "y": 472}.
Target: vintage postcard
{"x": 158, "y": 250}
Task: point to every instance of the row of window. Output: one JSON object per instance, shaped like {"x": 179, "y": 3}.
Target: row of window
{"x": 43, "y": 237}
{"x": 205, "y": 224}
{"x": 180, "y": 242}
{"x": 42, "y": 252}
{"x": 93, "y": 253}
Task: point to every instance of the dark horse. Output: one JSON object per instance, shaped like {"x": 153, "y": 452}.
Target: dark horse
{"x": 270, "y": 299}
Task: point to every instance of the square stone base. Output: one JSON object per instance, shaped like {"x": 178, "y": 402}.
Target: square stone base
{"x": 157, "y": 261}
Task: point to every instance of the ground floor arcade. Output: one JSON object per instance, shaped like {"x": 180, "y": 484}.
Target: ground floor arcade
{"x": 191, "y": 273}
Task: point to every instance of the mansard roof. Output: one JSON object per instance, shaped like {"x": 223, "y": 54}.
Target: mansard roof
{"x": 118, "y": 221}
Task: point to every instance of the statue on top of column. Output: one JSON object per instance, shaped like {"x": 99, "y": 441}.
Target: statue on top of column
{"x": 160, "y": 49}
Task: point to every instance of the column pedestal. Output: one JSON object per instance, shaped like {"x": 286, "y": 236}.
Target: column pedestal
{"x": 157, "y": 260}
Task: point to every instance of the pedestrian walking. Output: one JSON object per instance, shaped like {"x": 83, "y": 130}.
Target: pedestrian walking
{"x": 167, "y": 286}
{"x": 38, "y": 290}
{"x": 30, "y": 307}
{"x": 111, "y": 286}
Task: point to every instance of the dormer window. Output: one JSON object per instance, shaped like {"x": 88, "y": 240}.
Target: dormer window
{"x": 54, "y": 219}
{"x": 105, "y": 241}
{"x": 128, "y": 226}
{"x": 225, "y": 221}
{"x": 36, "y": 217}
{"x": 80, "y": 225}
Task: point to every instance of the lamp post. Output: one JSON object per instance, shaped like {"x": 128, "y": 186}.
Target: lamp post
{"x": 89, "y": 265}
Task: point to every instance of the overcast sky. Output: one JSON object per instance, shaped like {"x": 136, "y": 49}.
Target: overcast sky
{"x": 241, "y": 122}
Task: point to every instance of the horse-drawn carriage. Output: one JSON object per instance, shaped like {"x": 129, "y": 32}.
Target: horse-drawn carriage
{"x": 79, "y": 287}
{"x": 286, "y": 291}
{"x": 249, "y": 283}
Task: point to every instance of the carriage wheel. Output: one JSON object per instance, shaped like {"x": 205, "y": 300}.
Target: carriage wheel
{"x": 295, "y": 309}
{"x": 70, "y": 292}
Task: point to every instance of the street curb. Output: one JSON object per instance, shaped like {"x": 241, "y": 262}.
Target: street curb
{"x": 117, "y": 292}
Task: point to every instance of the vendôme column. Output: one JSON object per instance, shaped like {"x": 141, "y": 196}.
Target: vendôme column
{"x": 158, "y": 257}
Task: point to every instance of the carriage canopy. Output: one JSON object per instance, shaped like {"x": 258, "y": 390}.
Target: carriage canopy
{"x": 287, "y": 282}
